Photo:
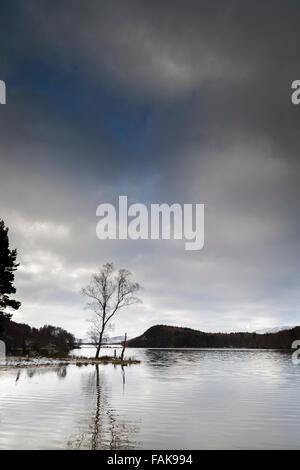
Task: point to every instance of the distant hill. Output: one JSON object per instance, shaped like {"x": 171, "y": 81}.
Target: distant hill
{"x": 163, "y": 336}
{"x": 109, "y": 341}
{"x": 274, "y": 330}
{"x": 113, "y": 340}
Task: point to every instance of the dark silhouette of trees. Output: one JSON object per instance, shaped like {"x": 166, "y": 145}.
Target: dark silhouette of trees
{"x": 24, "y": 339}
{"x": 52, "y": 337}
{"x": 8, "y": 266}
{"x": 108, "y": 291}
{"x": 163, "y": 336}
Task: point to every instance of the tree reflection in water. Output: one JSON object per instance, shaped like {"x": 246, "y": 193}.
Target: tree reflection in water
{"x": 61, "y": 371}
{"x": 105, "y": 428}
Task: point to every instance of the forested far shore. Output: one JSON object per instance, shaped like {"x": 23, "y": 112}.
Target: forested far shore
{"x": 24, "y": 339}
{"x": 164, "y": 336}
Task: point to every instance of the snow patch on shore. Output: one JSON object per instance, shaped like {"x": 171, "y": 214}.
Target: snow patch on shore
{"x": 33, "y": 361}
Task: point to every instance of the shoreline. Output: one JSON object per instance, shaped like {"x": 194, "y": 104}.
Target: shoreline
{"x": 13, "y": 362}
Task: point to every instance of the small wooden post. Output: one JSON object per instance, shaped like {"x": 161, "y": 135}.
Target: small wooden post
{"x": 124, "y": 346}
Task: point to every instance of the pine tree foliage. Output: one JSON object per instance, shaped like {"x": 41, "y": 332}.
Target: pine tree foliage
{"x": 8, "y": 266}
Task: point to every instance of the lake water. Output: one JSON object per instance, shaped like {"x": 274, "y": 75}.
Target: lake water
{"x": 174, "y": 399}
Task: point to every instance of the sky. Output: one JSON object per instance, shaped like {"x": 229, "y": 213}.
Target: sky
{"x": 165, "y": 102}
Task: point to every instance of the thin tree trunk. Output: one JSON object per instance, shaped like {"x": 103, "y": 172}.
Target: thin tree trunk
{"x": 99, "y": 344}
{"x": 124, "y": 346}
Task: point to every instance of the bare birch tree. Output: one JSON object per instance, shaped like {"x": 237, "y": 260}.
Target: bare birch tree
{"x": 108, "y": 292}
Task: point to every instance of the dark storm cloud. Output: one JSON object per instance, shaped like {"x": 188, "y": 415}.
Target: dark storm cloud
{"x": 166, "y": 102}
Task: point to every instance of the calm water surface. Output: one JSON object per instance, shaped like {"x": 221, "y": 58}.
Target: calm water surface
{"x": 174, "y": 399}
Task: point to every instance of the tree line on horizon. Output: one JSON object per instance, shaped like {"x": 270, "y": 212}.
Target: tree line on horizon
{"x": 49, "y": 339}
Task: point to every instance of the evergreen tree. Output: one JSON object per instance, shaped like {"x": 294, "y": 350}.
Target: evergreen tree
{"x": 8, "y": 266}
